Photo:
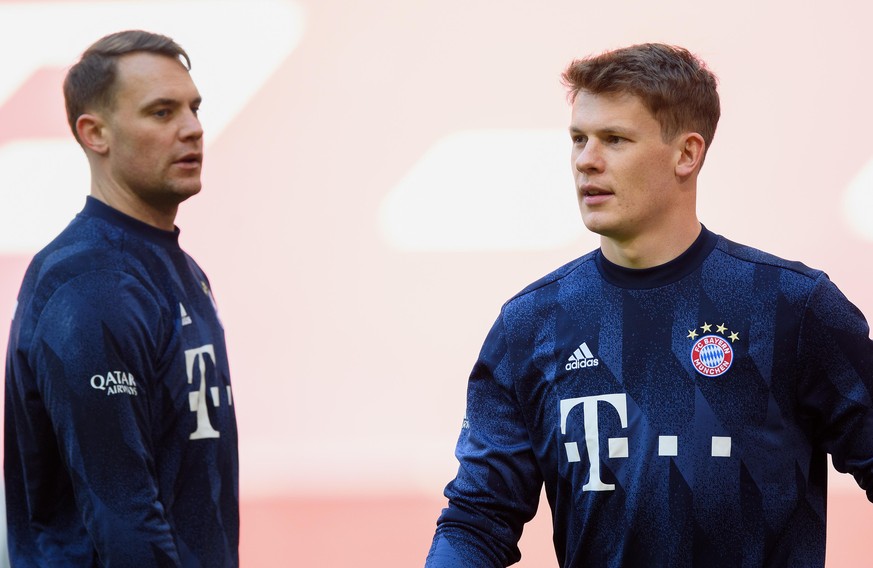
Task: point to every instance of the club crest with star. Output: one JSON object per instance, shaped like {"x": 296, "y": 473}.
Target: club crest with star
{"x": 712, "y": 354}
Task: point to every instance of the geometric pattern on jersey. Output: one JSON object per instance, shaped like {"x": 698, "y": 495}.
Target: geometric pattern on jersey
{"x": 660, "y": 455}
{"x": 120, "y": 433}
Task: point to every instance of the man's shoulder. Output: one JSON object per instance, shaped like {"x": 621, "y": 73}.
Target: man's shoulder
{"x": 85, "y": 254}
{"x": 568, "y": 270}
{"x": 737, "y": 252}
{"x": 84, "y": 246}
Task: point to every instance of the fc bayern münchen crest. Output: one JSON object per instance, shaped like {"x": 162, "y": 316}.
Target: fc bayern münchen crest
{"x": 712, "y": 355}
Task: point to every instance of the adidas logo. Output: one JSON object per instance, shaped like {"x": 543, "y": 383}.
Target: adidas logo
{"x": 186, "y": 319}
{"x": 581, "y": 358}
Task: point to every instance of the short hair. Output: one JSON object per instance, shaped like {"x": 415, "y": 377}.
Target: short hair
{"x": 91, "y": 82}
{"x": 675, "y": 86}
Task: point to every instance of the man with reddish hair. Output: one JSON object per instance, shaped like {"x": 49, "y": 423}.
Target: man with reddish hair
{"x": 676, "y": 393}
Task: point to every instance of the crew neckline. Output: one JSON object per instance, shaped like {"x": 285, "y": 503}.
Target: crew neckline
{"x": 96, "y": 208}
{"x": 663, "y": 274}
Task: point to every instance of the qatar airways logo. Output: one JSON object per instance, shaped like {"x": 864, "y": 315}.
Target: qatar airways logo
{"x": 115, "y": 382}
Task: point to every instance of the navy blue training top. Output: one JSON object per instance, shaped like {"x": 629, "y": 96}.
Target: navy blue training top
{"x": 120, "y": 433}
{"x": 677, "y": 416}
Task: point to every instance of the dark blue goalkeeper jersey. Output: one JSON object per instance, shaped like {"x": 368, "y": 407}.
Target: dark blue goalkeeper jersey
{"x": 120, "y": 435}
{"x": 678, "y": 416}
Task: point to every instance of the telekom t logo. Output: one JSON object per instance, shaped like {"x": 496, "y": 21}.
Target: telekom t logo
{"x": 617, "y": 446}
{"x": 197, "y": 399}
{"x": 614, "y": 407}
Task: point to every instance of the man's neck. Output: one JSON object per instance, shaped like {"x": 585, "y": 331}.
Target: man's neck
{"x": 648, "y": 250}
{"x": 131, "y": 206}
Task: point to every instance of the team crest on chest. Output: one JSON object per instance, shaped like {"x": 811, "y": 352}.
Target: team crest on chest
{"x": 712, "y": 353}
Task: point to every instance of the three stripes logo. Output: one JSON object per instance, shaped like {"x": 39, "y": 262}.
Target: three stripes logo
{"x": 581, "y": 358}
{"x": 186, "y": 319}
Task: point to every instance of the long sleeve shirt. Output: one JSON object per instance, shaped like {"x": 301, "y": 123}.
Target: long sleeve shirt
{"x": 120, "y": 431}
{"x": 677, "y": 416}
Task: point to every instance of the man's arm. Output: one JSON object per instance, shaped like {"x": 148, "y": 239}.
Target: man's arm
{"x": 94, "y": 351}
{"x": 498, "y": 484}
{"x": 836, "y": 392}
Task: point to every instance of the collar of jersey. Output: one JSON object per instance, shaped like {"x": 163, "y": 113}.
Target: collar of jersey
{"x": 661, "y": 275}
{"x": 96, "y": 208}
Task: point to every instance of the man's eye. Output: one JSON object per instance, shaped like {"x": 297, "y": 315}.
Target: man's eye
{"x": 579, "y": 139}
{"x": 162, "y": 113}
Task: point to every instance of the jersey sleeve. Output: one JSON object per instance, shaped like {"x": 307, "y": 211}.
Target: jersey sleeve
{"x": 836, "y": 390}
{"x": 93, "y": 354}
{"x": 497, "y": 488}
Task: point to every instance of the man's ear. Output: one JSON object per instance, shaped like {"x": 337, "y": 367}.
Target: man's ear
{"x": 93, "y": 133}
{"x": 691, "y": 152}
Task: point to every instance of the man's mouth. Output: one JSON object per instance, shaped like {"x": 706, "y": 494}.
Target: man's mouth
{"x": 191, "y": 159}
{"x": 593, "y": 191}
